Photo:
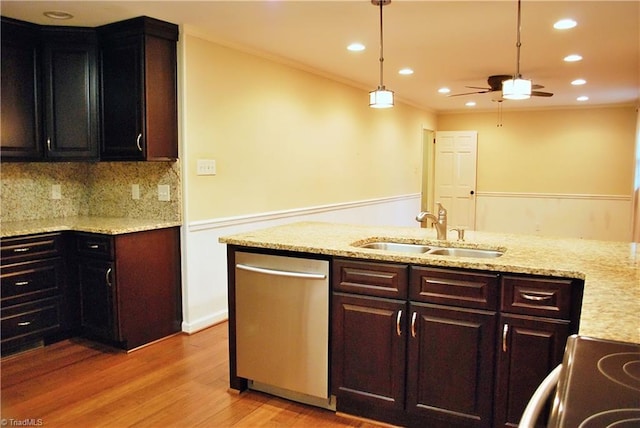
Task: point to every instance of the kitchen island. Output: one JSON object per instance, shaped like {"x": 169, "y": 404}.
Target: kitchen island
{"x": 610, "y": 270}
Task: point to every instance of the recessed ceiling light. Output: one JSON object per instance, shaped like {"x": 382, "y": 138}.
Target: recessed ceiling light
{"x": 444, "y": 90}
{"x": 578, "y": 82}
{"x": 356, "y": 47}
{"x": 406, "y": 71}
{"x": 57, "y": 14}
{"x": 470, "y": 104}
{"x": 565, "y": 24}
{"x": 582, "y": 98}
{"x": 572, "y": 58}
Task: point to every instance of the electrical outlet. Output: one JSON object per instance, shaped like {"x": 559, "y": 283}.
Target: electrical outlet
{"x": 56, "y": 191}
{"x": 163, "y": 192}
{"x": 135, "y": 191}
{"x": 206, "y": 167}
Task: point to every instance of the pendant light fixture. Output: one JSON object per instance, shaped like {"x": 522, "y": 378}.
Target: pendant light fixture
{"x": 381, "y": 97}
{"x": 517, "y": 88}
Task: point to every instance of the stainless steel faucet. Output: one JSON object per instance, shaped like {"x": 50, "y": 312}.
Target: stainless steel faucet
{"x": 440, "y": 221}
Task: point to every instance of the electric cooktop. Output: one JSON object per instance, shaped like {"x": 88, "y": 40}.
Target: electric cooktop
{"x": 599, "y": 385}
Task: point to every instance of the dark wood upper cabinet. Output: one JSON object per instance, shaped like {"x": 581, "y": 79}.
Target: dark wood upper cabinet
{"x": 49, "y": 92}
{"x": 20, "y": 74}
{"x": 76, "y": 93}
{"x": 70, "y": 88}
{"x": 139, "y": 90}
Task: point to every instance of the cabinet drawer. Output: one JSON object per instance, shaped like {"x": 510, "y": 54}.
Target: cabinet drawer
{"x": 31, "y": 280}
{"x": 15, "y": 250}
{"x": 93, "y": 245}
{"x": 30, "y": 319}
{"x": 370, "y": 278}
{"x": 549, "y": 297}
{"x": 453, "y": 287}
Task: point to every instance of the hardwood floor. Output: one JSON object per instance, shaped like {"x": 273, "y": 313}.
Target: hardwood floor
{"x": 180, "y": 381}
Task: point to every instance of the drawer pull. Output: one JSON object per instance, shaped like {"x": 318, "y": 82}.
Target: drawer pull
{"x": 138, "y": 142}
{"x": 21, "y": 250}
{"x": 24, "y": 323}
{"x": 398, "y": 319}
{"x": 94, "y": 246}
{"x": 21, "y": 283}
{"x": 413, "y": 324}
{"x": 535, "y": 298}
{"x": 107, "y": 277}
{"x": 505, "y": 334}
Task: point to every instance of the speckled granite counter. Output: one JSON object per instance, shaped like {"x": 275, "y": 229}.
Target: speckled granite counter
{"x": 611, "y": 270}
{"x": 104, "y": 225}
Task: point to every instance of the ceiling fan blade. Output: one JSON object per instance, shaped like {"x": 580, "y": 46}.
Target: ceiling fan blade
{"x": 541, "y": 94}
{"x": 537, "y": 86}
{"x": 478, "y": 87}
{"x": 470, "y": 93}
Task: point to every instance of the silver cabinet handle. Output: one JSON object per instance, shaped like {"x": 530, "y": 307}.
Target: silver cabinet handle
{"x": 24, "y": 323}
{"x": 413, "y": 324}
{"x": 21, "y": 250}
{"x": 94, "y": 246}
{"x": 107, "y": 277}
{"x": 534, "y": 298}
{"x": 21, "y": 283}
{"x": 49, "y": 144}
{"x": 138, "y": 142}
{"x": 398, "y": 318}
{"x": 265, "y": 271}
{"x": 505, "y": 334}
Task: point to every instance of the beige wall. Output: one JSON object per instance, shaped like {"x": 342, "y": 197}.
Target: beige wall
{"x": 580, "y": 151}
{"x": 284, "y": 138}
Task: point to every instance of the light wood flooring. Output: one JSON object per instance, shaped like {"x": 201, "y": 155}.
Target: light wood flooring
{"x": 179, "y": 381}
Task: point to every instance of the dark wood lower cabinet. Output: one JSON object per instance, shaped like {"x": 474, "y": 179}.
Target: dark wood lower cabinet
{"x": 451, "y": 348}
{"x": 529, "y": 349}
{"x": 368, "y": 362}
{"x": 450, "y": 366}
{"x": 130, "y": 286}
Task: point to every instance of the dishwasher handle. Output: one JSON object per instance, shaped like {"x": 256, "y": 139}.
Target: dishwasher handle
{"x": 305, "y": 275}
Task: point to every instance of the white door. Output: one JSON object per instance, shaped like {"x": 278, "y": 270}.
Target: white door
{"x": 455, "y": 176}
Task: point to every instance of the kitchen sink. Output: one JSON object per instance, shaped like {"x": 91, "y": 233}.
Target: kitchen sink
{"x": 466, "y": 252}
{"x": 402, "y": 247}
{"x": 396, "y": 246}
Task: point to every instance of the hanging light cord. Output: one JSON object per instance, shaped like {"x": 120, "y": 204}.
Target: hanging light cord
{"x": 518, "y": 44}
{"x": 381, "y": 46}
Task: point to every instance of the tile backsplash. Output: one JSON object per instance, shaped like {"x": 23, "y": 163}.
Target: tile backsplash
{"x": 94, "y": 189}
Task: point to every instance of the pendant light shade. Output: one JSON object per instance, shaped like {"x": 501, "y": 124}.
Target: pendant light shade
{"x": 516, "y": 89}
{"x": 381, "y": 97}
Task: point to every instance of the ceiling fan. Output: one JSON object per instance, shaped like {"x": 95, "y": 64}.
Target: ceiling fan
{"x": 513, "y": 87}
{"x": 495, "y": 85}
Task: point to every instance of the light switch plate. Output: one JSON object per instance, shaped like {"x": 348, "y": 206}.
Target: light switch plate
{"x": 163, "y": 192}
{"x": 206, "y": 167}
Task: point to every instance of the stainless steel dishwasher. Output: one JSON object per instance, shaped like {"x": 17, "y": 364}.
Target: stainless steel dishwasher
{"x": 282, "y": 326}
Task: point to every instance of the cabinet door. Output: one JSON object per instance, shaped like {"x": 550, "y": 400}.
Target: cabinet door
{"x": 122, "y": 101}
{"x": 529, "y": 348}
{"x": 97, "y": 297}
{"x": 450, "y": 366}
{"x": 71, "y": 94}
{"x": 368, "y": 356}
{"x": 20, "y": 75}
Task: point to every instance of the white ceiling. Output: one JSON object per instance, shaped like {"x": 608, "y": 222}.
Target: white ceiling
{"x": 447, "y": 43}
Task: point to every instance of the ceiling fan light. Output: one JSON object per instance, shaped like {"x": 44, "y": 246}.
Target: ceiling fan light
{"x": 516, "y": 89}
{"x": 381, "y": 98}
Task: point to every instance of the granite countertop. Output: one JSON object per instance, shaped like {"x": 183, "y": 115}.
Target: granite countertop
{"x": 611, "y": 270}
{"x": 104, "y": 225}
